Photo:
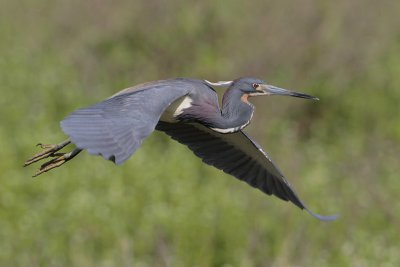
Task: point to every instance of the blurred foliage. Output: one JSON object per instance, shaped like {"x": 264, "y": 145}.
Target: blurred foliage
{"x": 164, "y": 207}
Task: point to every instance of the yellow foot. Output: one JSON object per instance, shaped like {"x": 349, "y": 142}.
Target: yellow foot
{"x": 48, "y": 151}
{"x": 57, "y": 160}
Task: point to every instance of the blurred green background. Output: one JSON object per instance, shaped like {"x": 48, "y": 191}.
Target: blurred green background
{"x": 164, "y": 207}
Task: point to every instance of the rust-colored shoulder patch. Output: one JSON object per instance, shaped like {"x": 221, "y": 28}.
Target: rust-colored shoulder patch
{"x": 245, "y": 98}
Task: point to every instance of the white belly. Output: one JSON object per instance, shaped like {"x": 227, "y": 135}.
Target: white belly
{"x": 176, "y": 108}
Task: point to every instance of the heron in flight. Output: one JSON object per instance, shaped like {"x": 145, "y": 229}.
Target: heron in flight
{"x": 188, "y": 111}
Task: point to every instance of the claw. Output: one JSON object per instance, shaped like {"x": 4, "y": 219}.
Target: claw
{"x": 52, "y": 151}
{"x": 46, "y": 146}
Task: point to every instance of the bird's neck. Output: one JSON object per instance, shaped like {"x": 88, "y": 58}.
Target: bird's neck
{"x": 236, "y": 112}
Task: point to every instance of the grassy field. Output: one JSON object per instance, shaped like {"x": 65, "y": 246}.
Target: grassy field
{"x": 164, "y": 207}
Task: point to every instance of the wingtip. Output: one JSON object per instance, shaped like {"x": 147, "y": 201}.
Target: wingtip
{"x": 322, "y": 217}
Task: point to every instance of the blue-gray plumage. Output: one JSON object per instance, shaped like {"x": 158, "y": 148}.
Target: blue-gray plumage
{"x": 189, "y": 112}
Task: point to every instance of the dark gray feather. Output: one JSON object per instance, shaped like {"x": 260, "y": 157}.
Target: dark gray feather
{"x": 236, "y": 154}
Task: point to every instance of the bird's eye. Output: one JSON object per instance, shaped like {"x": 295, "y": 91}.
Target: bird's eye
{"x": 255, "y": 85}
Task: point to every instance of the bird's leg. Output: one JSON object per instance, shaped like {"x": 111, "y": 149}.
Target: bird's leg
{"x": 57, "y": 160}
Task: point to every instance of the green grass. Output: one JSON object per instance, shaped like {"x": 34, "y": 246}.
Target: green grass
{"x": 164, "y": 207}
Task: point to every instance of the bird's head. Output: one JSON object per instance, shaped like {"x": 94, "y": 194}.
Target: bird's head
{"x": 257, "y": 87}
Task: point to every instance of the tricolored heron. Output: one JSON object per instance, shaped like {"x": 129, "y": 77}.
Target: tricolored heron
{"x": 188, "y": 111}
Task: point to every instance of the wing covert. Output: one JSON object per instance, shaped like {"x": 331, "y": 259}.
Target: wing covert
{"x": 116, "y": 127}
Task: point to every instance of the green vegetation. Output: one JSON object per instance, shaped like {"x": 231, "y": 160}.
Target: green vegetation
{"x": 164, "y": 207}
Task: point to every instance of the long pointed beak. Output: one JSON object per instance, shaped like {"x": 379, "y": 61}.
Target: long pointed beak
{"x": 273, "y": 90}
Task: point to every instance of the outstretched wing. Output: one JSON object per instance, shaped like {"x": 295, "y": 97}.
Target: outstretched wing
{"x": 116, "y": 127}
{"x": 236, "y": 154}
